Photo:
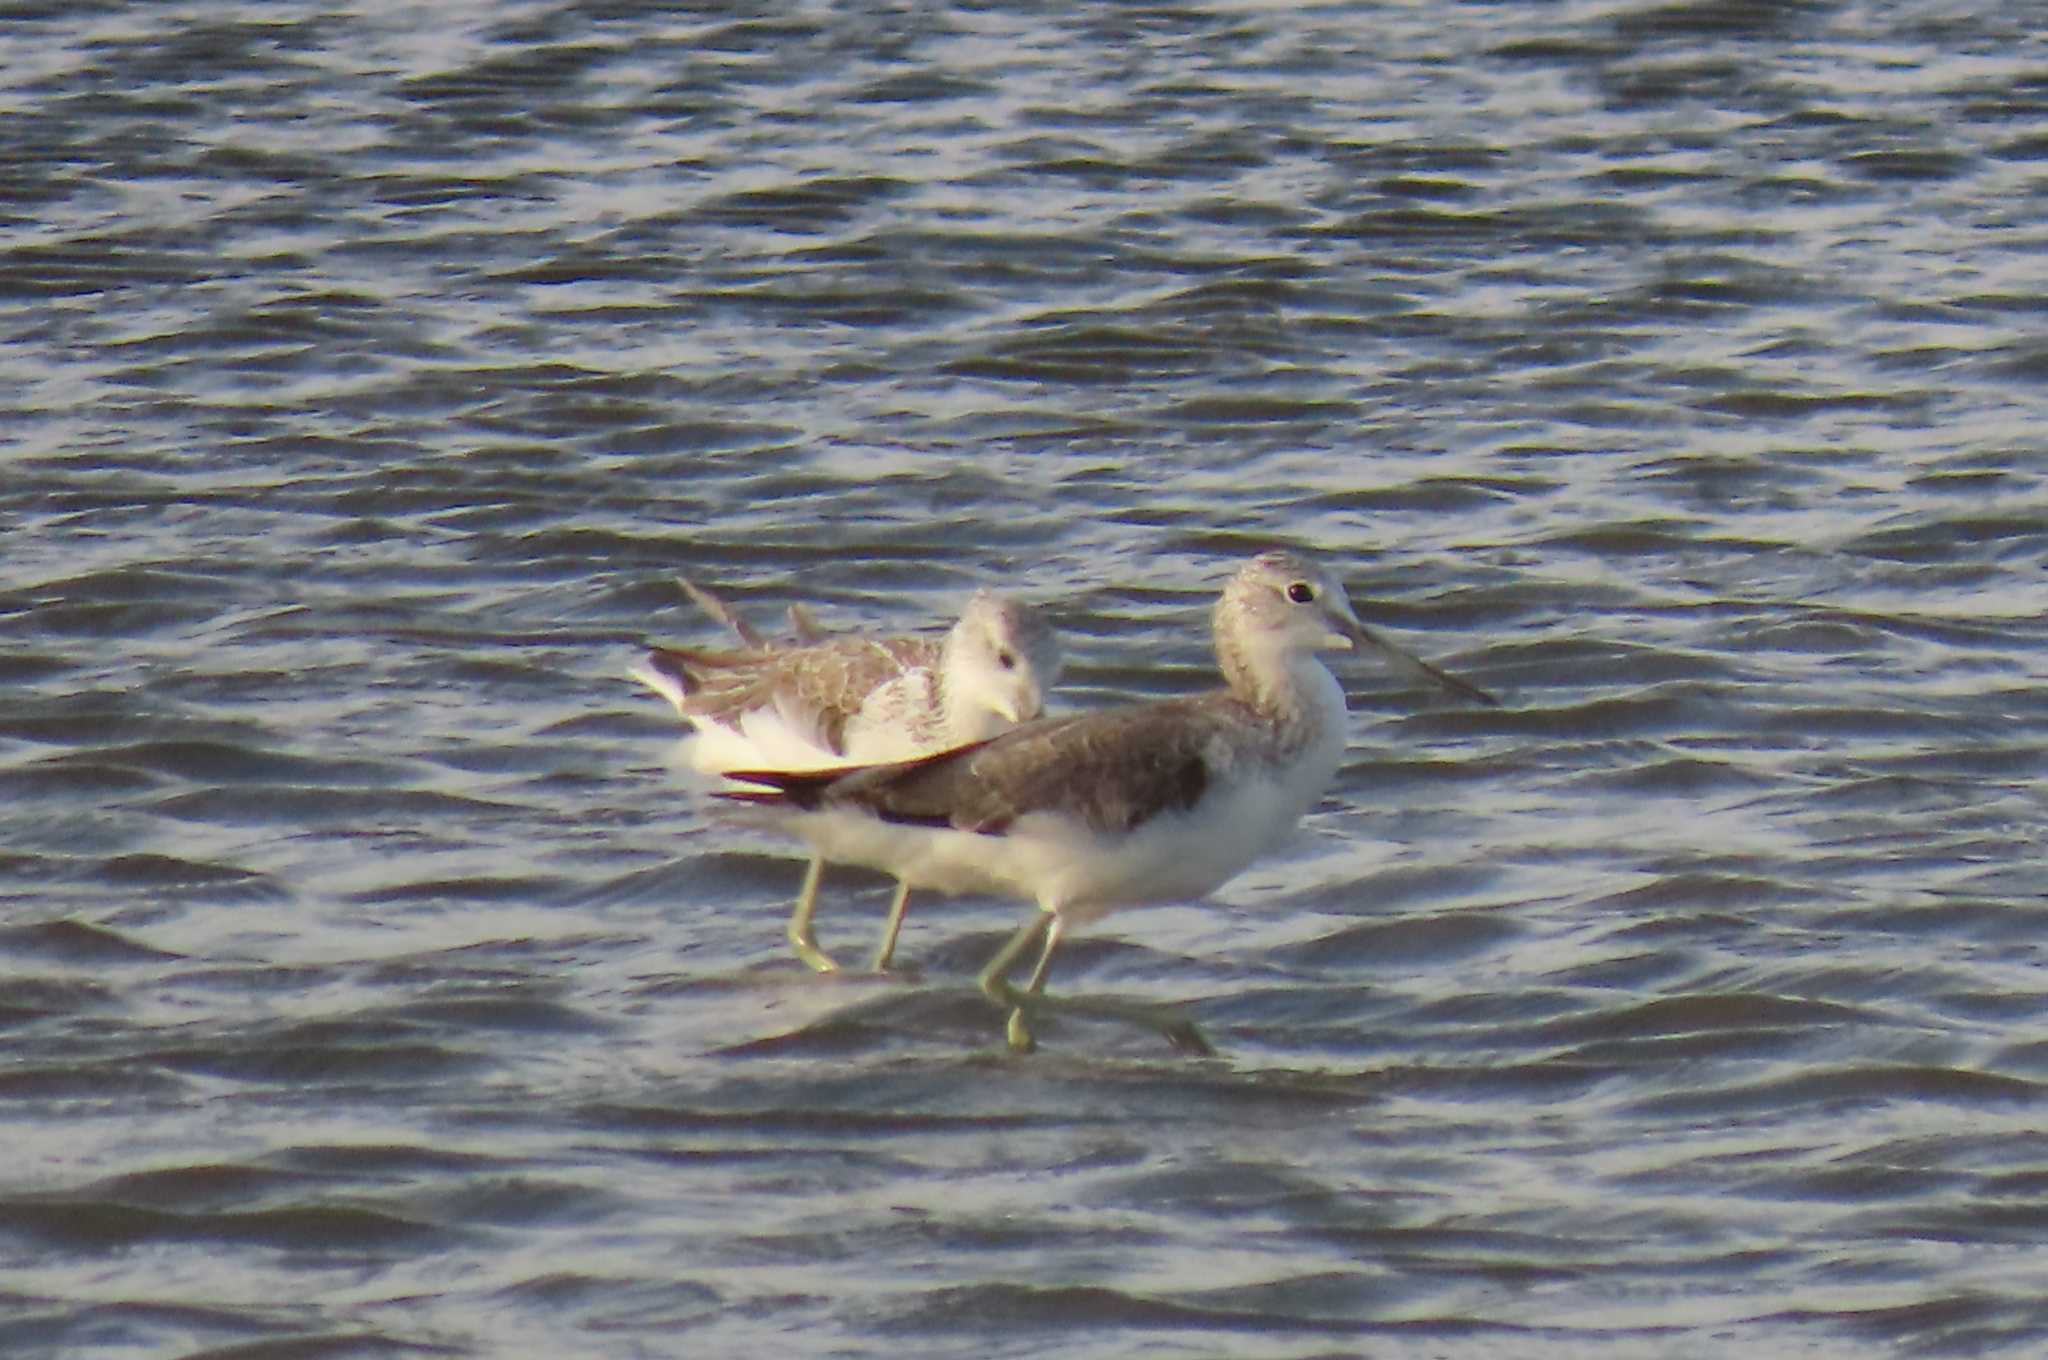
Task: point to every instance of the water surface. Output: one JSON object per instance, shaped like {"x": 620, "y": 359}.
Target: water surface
{"x": 372, "y": 987}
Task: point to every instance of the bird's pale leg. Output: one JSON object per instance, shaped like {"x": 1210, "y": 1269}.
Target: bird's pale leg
{"x": 1035, "y": 984}
{"x": 1174, "y": 1027}
{"x": 995, "y": 979}
{"x": 898, "y": 905}
{"x": 1017, "y": 1031}
{"x": 800, "y": 932}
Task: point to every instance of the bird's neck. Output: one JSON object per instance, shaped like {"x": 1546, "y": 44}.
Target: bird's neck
{"x": 952, "y": 698}
{"x": 1289, "y": 688}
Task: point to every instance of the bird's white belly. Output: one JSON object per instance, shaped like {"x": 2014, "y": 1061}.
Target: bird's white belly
{"x": 1174, "y": 857}
{"x": 1064, "y": 867}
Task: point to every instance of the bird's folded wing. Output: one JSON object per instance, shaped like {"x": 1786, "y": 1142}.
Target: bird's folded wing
{"x": 1108, "y": 772}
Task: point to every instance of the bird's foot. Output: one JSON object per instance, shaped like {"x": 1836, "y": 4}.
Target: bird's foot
{"x": 807, "y": 949}
{"x": 1019, "y": 1033}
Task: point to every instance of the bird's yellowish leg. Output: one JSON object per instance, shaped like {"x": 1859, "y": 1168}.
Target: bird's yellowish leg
{"x": 800, "y": 932}
{"x": 898, "y": 905}
{"x": 1174, "y": 1027}
{"x": 995, "y": 979}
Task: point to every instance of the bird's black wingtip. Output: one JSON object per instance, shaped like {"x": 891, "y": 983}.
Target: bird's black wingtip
{"x": 780, "y": 788}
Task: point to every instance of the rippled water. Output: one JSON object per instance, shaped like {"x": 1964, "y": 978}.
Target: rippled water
{"x": 370, "y": 986}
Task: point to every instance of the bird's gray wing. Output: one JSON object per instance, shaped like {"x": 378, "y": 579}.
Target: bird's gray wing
{"x": 1110, "y": 771}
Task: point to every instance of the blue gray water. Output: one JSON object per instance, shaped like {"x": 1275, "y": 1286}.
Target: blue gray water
{"x": 370, "y": 986}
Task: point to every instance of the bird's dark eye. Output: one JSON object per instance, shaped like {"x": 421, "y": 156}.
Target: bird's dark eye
{"x": 1007, "y": 660}
{"x": 1301, "y": 592}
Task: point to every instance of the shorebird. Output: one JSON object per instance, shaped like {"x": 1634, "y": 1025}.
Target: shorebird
{"x": 828, "y": 701}
{"x": 1146, "y": 803}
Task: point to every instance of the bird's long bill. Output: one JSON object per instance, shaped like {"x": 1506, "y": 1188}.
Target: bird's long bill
{"x": 1416, "y": 668}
